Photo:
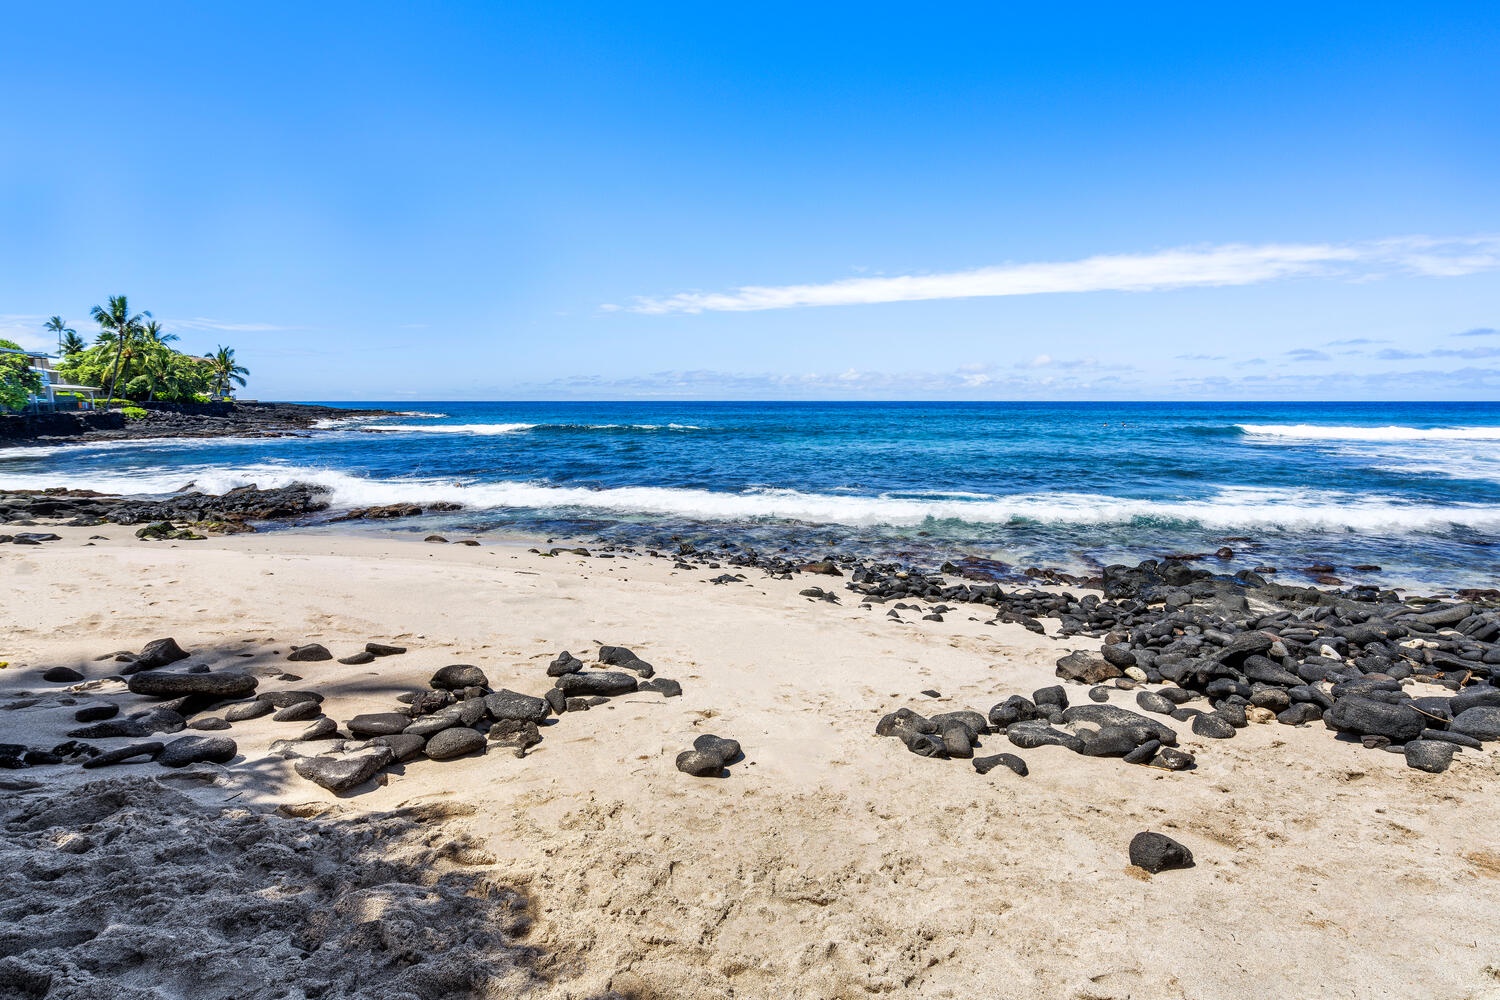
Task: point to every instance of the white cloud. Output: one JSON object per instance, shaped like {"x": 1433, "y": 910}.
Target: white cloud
{"x": 1232, "y": 264}
{"x": 213, "y": 325}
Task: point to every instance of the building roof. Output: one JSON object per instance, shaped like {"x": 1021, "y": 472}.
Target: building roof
{"x": 29, "y": 354}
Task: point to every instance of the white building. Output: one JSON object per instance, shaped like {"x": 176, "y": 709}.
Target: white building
{"x": 55, "y": 394}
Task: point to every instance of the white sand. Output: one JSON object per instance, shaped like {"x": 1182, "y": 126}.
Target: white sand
{"x": 831, "y": 863}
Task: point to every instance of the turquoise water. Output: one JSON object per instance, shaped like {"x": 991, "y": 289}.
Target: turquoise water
{"x": 1412, "y": 487}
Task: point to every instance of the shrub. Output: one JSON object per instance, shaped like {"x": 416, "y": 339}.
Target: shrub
{"x": 134, "y": 413}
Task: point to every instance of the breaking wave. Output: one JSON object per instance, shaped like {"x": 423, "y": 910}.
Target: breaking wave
{"x": 1227, "y": 508}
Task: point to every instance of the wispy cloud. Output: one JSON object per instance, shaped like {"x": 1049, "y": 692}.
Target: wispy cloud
{"x": 1466, "y": 353}
{"x": 1201, "y": 357}
{"x": 202, "y": 323}
{"x": 1355, "y": 342}
{"x": 1233, "y": 264}
{"x": 1307, "y": 354}
{"x": 971, "y": 381}
{"x": 1483, "y": 331}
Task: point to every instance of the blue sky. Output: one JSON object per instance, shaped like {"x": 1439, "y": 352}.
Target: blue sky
{"x": 491, "y": 201}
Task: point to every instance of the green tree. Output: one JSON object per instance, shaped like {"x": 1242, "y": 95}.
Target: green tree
{"x": 72, "y": 344}
{"x": 224, "y": 374}
{"x": 17, "y": 379}
{"x": 123, "y": 329}
{"x": 62, "y": 332}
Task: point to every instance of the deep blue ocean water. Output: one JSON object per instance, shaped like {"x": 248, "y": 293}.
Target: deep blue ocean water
{"x": 1411, "y": 487}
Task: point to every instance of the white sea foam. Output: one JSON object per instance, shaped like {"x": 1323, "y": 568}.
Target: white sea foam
{"x": 486, "y": 430}
{"x": 476, "y": 429}
{"x": 332, "y": 423}
{"x": 137, "y": 444}
{"x": 1229, "y": 507}
{"x": 1393, "y": 432}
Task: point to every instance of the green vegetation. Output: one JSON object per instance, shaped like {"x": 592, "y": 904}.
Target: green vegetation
{"x": 17, "y": 380}
{"x": 134, "y": 413}
{"x": 132, "y": 358}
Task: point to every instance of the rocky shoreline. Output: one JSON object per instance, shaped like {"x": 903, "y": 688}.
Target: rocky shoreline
{"x": 1216, "y": 652}
{"x": 166, "y": 420}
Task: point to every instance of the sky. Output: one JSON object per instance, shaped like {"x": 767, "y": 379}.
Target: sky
{"x": 433, "y": 201}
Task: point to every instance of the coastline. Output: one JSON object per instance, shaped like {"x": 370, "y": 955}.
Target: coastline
{"x": 172, "y": 420}
{"x": 830, "y": 862}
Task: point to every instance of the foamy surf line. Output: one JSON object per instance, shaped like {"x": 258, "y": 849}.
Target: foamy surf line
{"x": 1393, "y": 432}
{"x": 1230, "y": 508}
{"x": 496, "y": 430}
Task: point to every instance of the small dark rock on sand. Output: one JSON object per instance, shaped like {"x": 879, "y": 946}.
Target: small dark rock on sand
{"x": 984, "y": 765}
{"x": 311, "y": 653}
{"x": 1157, "y": 852}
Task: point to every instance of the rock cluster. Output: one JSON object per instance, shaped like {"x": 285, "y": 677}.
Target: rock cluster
{"x": 1251, "y": 652}
{"x": 460, "y": 715}
{"x": 709, "y": 756}
{"x": 227, "y": 512}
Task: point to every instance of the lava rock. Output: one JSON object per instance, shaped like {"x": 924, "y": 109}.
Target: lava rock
{"x": 123, "y": 754}
{"x": 321, "y": 729}
{"x": 1150, "y": 701}
{"x": 1054, "y": 695}
{"x": 311, "y": 653}
{"x": 355, "y": 659}
{"x": 1157, "y": 853}
{"x": 381, "y": 649}
{"x": 520, "y": 734}
{"x": 198, "y": 750}
{"x": 700, "y": 764}
{"x": 339, "y": 774}
{"x": 283, "y": 699}
{"x": 727, "y": 750}
{"x": 456, "y": 742}
{"x": 564, "y": 663}
{"x": 430, "y": 725}
{"x": 664, "y": 686}
{"x": 1029, "y": 735}
{"x": 112, "y": 729}
{"x": 1099, "y": 693}
{"x": 1364, "y": 716}
{"x": 62, "y": 675}
{"x": 1086, "y": 668}
{"x": 1481, "y": 722}
{"x": 1212, "y": 725}
{"x": 1431, "y": 756}
{"x": 403, "y": 746}
{"x": 607, "y": 683}
{"x": 159, "y": 653}
{"x": 378, "y": 724}
{"x": 619, "y": 656}
{"x": 984, "y": 765}
{"x": 211, "y": 724}
{"x": 247, "y": 710}
{"x": 225, "y": 684}
{"x": 505, "y": 705}
{"x": 1176, "y": 760}
{"x": 457, "y": 676}
{"x": 96, "y": 713}
{"x": 1143, "y": 754}
{"x": 1013, "y": 709}
{"x": 298, "y": 711}
{"x": 1113, "y": 715}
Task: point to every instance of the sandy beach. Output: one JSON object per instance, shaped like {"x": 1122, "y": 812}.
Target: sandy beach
{"x": 828, "y": 863}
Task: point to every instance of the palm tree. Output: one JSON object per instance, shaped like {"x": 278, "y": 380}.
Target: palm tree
{"x": 56, "y": 326}
{"x": 153, "y": 337}
{"x": 118, "y": 325}
{"x": 72, "y": 344}
{"x": 224, "y": 371}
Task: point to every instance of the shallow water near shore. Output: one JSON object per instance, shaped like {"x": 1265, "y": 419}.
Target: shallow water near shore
{"x": 1411, "y": 487}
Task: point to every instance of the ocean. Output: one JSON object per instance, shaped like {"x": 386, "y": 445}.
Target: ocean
{"x": 1413, "y": 488}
